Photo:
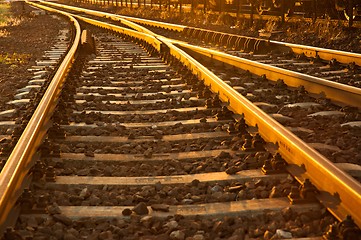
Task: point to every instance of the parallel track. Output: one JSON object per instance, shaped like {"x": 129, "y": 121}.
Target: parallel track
{"x": 295, "y": 73}
{"x": 245, "y": 13}
{"x": 193, "y": 146}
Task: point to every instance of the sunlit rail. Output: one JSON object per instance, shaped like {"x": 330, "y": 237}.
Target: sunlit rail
{"x": 295, "y": 151}
{"x": 14, "y": 175}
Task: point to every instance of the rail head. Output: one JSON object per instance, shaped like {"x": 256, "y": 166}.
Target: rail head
{"x": 122, "y": 19}
{"x": 153, "y": 23}
{"x": 322, "y": 53}
{"x": 169, "y": 26}
{"x": 292, "y": 149}
{"x": 296, "y": 152}
{"x": 325, "y": 54}
{"x": 16, "y": 167}
{"x": 151, "y": 40}
{"x": 339, "y": 93}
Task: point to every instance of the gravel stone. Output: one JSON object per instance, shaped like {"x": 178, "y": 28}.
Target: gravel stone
{"x": 195, "y": 182}
{"x": 94, "y": 200}
{"x": 84, "y": 172}
{"x": 187, "y": 201}
{"x": 53, "y": 210}
{"x": 146, "y": 218}
{"x": 141, "y": 209}
{"x": 31, "y": 222}
{"x": 59, "y": 234}
{"x": 24, "y": 234}
{"x": 242, "y": 194}
{"x": 267, "y": 235}
{"x": 84, "y": 193}
{"x": 196, "y": 198}
{"x": 198, "y": 237}
{"x": 160, "y": 207}
{"x": 177, "y": 235}
{"x": 69, "y": 236}
{"x": 275, "y": 192}
{"x": 287, "y": 213}
{"x": 93, "y": 236}
{"x": 299, "y": 232}
{"x": 258, "y": 232}
{"x": 171, "y": 225}
{"x": 233, "y": 170}
{"x": 58, "y": 226}
{"x": 74, "y": 232}
{"x": 216, "y": 188}
{"x": 63, "y": 219}
{"x": 283, "y": 234}
{"x": 105, "y": 235}
{"x": 224, "y": 155}
{"x": 45, "y": 230}
{"x": 89, "y": 153}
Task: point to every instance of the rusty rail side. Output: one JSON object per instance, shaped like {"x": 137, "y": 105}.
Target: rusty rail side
{"x": 17, "y": 166}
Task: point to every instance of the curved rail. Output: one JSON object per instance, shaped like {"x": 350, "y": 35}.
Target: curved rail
{"x": 326, "y": 54}
{"x": 294, "y": 150}
{"x": 336, "y": 92}
{"x": 322, "y": 53}
{"x": 22, "y": 157}
{"x": 226, "y": 38}
{"x": 244, "y": 12}
{"x": 342, "y": 197}
{"x": 149, "y": 39}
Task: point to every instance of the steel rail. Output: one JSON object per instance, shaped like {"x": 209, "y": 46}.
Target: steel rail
{"x": 337, "y": 92}
{"x": 151, "y": 40}
{"x": 309, "y": 51}
{"x": 115, "y": 17}
{"x": 245, "y": 14}
{"x": 153, "y": 23}
{"x": 339, "y": 192}
{"x": 22, "y": 157}
{"x": 322, "y": 53}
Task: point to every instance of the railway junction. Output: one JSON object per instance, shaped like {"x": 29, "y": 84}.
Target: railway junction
{"x": 179, "y": 120}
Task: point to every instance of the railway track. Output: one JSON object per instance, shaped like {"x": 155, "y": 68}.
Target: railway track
{"x": 245, "y": 13}
{"x": 306, "y": 128}
{"x": 328, "y": 64}
{"x": 140, "y": 148}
